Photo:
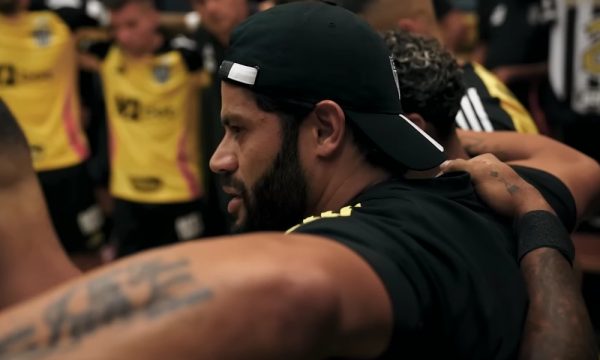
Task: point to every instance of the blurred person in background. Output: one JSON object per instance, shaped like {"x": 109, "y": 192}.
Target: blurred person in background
{"x": 39, "y": 83}
{"x": 151, "y": 84}
{"x": 488, "y": 104}
{"x": 218, "y": 18}
{"x": 513, "y": 44}
{"x": 568, "y": 179}
{"x": 431, "y": 83}
{"x": 453, "y": 25}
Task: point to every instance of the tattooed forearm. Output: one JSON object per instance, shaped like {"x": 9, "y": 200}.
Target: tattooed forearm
{"x": 558, "y": 323}
{"x": 144, "y": 290}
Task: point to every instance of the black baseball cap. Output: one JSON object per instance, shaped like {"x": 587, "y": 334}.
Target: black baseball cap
{"x": 310, "y": 51}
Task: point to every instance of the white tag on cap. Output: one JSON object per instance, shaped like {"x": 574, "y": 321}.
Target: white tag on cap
{"x": 243, "y": 74}
{"x": 426, "y": 135}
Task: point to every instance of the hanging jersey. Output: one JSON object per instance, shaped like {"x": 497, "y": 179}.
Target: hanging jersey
{"x": 574, "y": 62}
{"x": 488, "y": 105}
{"x": 153, "y": 115}
{"x": 38, "y": 81}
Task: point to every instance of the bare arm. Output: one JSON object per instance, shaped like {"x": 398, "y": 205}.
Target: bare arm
{"x": 511, "y": 73}
{"x": 31, "y": 257}
{"x": 480, "y": 53}
{"x": 558, "y": 325}
{"x": 580, "y": 173}
{"x": 260, "y": 296}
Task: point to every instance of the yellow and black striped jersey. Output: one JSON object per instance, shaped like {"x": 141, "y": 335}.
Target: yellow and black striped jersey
{"x": 153, "y": 116}
{"x": 488, "y": 104}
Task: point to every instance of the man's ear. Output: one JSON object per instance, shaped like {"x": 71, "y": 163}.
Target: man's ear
{"x": 329, "y": 127}
{"x": 418, "y": 120}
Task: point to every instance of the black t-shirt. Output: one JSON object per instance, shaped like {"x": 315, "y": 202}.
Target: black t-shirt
{"x": 448, "y": 263}
{"x": 449, "y": 266}
{"x": 554, "y": 191}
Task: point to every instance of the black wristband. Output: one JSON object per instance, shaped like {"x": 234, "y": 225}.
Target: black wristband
{"x": 539, "y": 229}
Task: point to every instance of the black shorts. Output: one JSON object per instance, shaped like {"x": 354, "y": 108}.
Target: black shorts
{"x": 75, "y": 214}
{"x": 139, "y": 226}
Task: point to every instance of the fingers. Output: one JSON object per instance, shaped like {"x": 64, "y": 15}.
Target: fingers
{"x": 499, "y": 185}
{"x": 449, "y": 166}
{"x": 473, "y": 166}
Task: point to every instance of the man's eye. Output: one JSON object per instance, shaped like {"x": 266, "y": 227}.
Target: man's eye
{"x": 235, "y": 130}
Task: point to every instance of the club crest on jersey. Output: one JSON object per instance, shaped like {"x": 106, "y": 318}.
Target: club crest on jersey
{"x": 41, "y": 32}
{"x": 162, "y": 73}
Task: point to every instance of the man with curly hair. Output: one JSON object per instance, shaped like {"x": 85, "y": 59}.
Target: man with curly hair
{"x": 431, "y": 83}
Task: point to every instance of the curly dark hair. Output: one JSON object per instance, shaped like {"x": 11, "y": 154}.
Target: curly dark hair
{"x": 430, "y": 79}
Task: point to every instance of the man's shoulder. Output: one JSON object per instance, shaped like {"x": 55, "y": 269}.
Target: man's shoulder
{"x": 554, "y": 191}
{"x": 400, "y": 208}
{"x": 453, "y": 252}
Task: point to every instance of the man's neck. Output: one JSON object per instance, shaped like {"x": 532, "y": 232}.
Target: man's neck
{"x": 454, "y": 148}
{"x": 346, "y": 184}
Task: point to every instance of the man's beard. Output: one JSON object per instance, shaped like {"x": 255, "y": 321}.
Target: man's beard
{"x": 278, "y": 199}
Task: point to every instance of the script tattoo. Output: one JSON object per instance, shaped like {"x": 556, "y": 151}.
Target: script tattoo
{"x": 143, "y": 290}
{"x": 511, "y": 188}
{"x": 19, "y": 336}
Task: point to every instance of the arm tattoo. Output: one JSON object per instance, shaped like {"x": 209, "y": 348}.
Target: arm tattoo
{"x": 511, "y": 188}
{"x": 143, "y": 290}
{"x": 20, "y": 335}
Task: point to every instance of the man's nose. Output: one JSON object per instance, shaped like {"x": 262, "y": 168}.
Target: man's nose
{"x": 223, "y": 160}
